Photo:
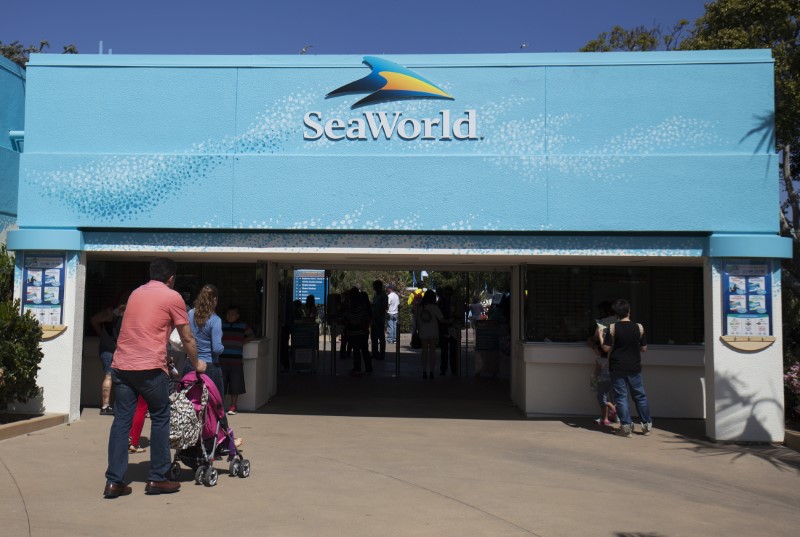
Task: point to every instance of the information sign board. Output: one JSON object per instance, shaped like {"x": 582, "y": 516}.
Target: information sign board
{"x": 747, "y": 298}
{"x": 43, "y": 286}
{"x": 310, "y": 282}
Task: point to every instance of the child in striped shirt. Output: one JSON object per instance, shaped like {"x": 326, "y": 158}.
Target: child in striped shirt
{"x": 235, "y": 334}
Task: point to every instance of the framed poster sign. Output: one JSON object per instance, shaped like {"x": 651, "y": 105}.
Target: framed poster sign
{"x": 310, "y": 282}
{"x": 43, "y": 286}
{"x": 747, "y": 298}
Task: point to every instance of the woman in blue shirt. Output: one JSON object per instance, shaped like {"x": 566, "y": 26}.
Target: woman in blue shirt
{"x": 207, "y": 328}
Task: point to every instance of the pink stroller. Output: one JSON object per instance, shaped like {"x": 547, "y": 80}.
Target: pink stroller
{"x": 216, "y": 437}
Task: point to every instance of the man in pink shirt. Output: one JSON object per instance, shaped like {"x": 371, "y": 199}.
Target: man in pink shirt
{"x": 140, "y": 368}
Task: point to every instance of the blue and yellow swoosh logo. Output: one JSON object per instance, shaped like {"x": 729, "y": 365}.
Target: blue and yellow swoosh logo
{"x": 389, "y": 81}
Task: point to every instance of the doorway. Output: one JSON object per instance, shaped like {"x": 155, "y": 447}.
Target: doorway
{"x": 329, "y": 383}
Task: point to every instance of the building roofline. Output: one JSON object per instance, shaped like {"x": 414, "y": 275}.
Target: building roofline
{"x": 11, "y": 67}
{"x": 555, "y": 59}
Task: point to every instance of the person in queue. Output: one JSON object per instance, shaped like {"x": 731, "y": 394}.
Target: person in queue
{"x": 106, "y": 324}
{"x": 393, "y": 305}
{"x": 358, "y": 318}
{"x": 207, "y": 329}
{"x": 235, "y": 335}
{"x": 429, "y": 316}
{"x": 140, "y": 368}
{"x": 380, "y": 305}
{"x": 625, "y": 341}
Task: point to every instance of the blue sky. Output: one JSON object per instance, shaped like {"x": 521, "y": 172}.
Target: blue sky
{"x": 331, "y": 26}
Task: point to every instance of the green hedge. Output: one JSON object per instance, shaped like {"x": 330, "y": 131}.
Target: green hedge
{"x": 20, "y": 335}
{"x": 20, "y": 354}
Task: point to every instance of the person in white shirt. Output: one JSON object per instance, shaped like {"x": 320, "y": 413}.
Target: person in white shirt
{"x": 394, "y": 305}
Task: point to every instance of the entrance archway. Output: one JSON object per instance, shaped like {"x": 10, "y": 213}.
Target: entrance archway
{"x": 327, "y": 383}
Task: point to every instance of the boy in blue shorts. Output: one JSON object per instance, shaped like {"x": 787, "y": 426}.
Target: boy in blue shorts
{"x": 235, "y": 334}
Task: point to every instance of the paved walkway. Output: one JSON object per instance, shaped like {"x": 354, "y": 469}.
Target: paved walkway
{"x": 362, "y": 475}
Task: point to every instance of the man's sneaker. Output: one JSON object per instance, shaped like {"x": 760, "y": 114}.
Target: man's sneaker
{"x": 232, "y": 410}
{"x": 625, "y": 430}
{"x": 107, "y": 411}
{"x": 647, "y": 428}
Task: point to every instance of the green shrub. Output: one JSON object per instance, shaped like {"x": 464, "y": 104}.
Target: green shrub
{"x": 6, "y": 275}
{"x": 20, "y": 354}
{"x": 20, "y": 335}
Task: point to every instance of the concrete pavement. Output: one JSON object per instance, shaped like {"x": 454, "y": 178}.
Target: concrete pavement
{"x": 393, "y": 476}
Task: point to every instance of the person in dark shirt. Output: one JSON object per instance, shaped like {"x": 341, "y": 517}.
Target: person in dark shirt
{"x": 358, "y": 318}
{"x": 107, "y": 324}
{"x": 311, "y": 311}
{"x": 380, "y": 304}
{"x": 625, "y": 341}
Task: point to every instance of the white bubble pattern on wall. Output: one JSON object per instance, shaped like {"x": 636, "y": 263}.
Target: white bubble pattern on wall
{"x": 125, "y": 187}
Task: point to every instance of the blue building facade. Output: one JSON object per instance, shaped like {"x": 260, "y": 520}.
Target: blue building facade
{"x": 12, "y": 123}
{"x": 660, "y": 159}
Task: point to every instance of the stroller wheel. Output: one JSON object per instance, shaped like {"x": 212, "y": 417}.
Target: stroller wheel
{"x": 235, "y": 467}
{"x": 211, "y": 477}
{"x": 200, "y": 475}
{"x": 174, "y": 471}
{"x": 245, "y": 470}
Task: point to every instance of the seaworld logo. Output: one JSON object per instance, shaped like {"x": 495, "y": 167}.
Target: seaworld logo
{"x": 376, "y": 124}
{"x": 389, "y": 81}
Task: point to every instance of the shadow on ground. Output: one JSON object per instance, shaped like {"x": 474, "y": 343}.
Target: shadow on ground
{"x": 693, "y": 433}
{"x": 381, "y": 395}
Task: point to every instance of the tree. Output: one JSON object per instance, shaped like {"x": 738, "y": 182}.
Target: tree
{"x": 639, "y": 38}
{"x": 19, "y": 53}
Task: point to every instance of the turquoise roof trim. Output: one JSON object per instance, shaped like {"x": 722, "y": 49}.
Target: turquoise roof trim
{"x": 744, "y": 245}
{"x": 45, "y": 239}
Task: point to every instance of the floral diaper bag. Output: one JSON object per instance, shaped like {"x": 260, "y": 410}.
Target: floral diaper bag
{"x": 184, "y": 425}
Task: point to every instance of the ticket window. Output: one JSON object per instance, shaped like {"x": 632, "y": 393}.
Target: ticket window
{"x": 561, "y": 302}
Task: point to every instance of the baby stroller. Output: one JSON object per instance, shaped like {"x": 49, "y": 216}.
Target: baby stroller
{"x": 216, "y": 438}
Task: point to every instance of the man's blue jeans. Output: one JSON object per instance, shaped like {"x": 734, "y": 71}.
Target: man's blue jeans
{"x": 153, "y": 386}
{"x": 392, "y": 328}
{"x": 622, "y": 384}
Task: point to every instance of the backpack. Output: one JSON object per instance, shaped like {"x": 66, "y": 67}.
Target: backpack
{"x": 184, "y": 425}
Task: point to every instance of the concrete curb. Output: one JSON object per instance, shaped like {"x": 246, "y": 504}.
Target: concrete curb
{"x": 19, "y": 428}
{"x": 792, "y": 439}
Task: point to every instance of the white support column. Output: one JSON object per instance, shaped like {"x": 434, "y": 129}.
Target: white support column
{"x": 744, "y": 401}
{"x": 59, "y": 375}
